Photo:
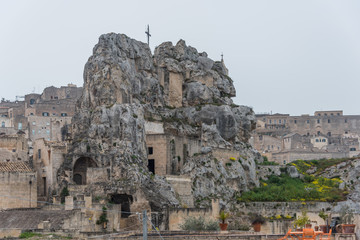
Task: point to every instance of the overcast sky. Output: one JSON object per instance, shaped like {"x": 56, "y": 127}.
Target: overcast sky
{"x": 284, "y": 56}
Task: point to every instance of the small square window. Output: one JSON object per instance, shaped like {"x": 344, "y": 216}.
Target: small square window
{"x": 150, "y": 150}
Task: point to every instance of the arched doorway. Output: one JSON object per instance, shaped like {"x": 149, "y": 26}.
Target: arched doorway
{"x": 80, "y": 169}
{"x": 125, "y": 201}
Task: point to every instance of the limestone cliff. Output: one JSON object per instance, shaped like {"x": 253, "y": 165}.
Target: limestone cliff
{"x": 181, "y": 90}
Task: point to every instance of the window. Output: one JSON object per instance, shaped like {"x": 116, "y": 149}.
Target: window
{"x": 295, "y": 121}
{"x": 345, "y": 120}
{"x": 308, "y": 134}
{"x": 270, "y": 121}
{"x": 328, "y": 120}
{"x": 47, "y": 131}
{"x": 39, "y": 153}
{"x": 325, "y": 114}
{"x": 338, "y": 114}
{"x": 318, "y": 133}
{"x": 2, "y": 124}
{"x": 329, "y": 134}
{"x": 317, "y": 140}
{"x": 284, "y": 121}
{"x": 319, "y": 114}
{"x": 32, "y": 101}
{"x": 352, "y": 149}
{"x": 279, "y": 121}
{"x": 332, "y": 114}
{"x": 33, "y": 123}
{"x": 284, "y": 161}
{"x": 324, "y": 140}
{"x": 274, "y": 121}
{"x": 19, "y": 126}
{"x": 346, "y": 132}
{"x": 318, "y": 121}
{"x": 63, "y": 114}
{"x": 45, "y": 114}
{"x": 150, "y": 150}
{"x": 31, "y": 114}
{"x": 308, "y": 121}
{"x": 33, "y": 132}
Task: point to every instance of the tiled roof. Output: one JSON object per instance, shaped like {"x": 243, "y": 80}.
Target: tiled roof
{"x": 30, "y": 219}
{"x": 15, "y": 167}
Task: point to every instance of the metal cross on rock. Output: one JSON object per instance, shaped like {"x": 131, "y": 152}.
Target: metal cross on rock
{"x": 148, "y": 34}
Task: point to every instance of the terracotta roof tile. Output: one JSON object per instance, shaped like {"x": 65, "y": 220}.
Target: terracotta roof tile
{"x": 15, "y": 167}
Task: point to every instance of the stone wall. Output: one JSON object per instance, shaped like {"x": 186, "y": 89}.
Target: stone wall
{"x": 286, "y": 157}
{"x": 13, "y": 148}
{"x": 160, "y": 153}
{"x": 178, "y": 215}
{"x": 170, "y": 152}
{"x": 269, "y": 209}
{"x": 47, "y": 164}
{"x": 182, "y": 186}
{"x": 18, "y": 190}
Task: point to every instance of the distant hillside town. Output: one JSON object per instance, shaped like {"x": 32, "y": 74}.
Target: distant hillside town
{"x": 326, "y": 134}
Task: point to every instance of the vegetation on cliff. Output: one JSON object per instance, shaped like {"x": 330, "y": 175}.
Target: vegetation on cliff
{"x": 310, "y": 187}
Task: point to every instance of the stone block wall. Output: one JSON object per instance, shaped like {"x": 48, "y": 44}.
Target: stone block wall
{"x": 182, "y": 186}
{"x": 18, "y": 190}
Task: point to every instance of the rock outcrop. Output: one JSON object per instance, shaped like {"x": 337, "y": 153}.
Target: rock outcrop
{"x": 184, "y": 91}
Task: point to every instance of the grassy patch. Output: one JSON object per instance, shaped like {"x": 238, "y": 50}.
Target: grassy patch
{"x": 283, "y": 188}
{"x": 29, "y": 235}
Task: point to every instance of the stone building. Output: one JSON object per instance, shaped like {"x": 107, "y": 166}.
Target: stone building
{"x": 13, "y": 148}
{"x": 326, "y": 134}
{"x": 17, "y": 185}
{"x": 49, "y": 128}
{"x": 47, "y": 159}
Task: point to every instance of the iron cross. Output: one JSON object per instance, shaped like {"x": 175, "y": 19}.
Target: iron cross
{"x": 148, "y": 34}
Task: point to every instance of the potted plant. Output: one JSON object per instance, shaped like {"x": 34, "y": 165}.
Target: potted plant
{"x": 346, "y": 220}
{"x": 223, "y": 216}
{"x": 302, "y": 221}
{"x": 257, "y": 220}
{"x": 324, "y": 228}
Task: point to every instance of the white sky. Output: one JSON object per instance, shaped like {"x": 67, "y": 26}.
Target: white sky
{"x": 288, "y": 56}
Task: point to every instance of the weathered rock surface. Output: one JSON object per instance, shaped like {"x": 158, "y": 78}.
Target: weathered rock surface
{"x": 185, "y": 91}
{"x": 211, "y": 179}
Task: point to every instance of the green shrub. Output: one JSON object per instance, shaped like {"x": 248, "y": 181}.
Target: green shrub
{"x": 236, "y": 225}
{"x": 29, "y": 235}
{"x": 283, "y": 188}
{"x": 64, "y": 193}
{"x": 199, "y": 224}
{"x": 103, "y": 217}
